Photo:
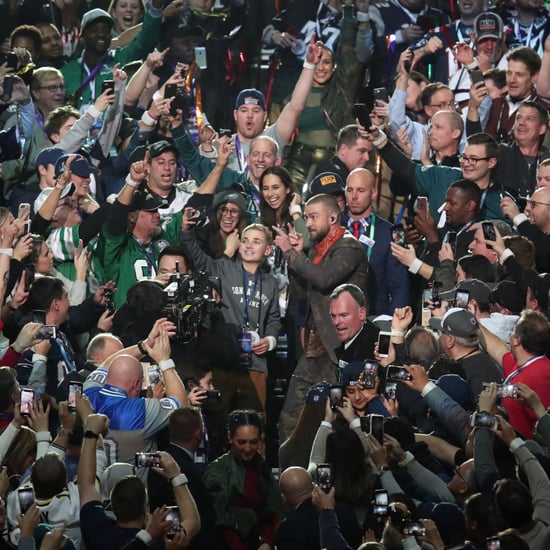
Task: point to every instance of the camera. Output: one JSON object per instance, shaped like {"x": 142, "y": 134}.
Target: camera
{"x": 213, "y": 396}
{"x": 189, "y": 301}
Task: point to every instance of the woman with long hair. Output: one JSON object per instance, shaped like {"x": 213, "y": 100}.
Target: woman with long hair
{"x": 246, "y": 498}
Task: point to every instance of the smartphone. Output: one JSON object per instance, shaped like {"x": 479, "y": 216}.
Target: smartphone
{"x": 360, "y": 113}
{"x": 380, "y": 507}
{"x": 390, "y": 389}
{"x": 7, "y": 88}
{"x": 147, "y": 460}
{"x": 27, "y": 399}
{"x": 421, "y": 203}
{"x": 398, "y": 235}
{"x": 39, "y": 316}
{"x": 450, "y": 238}
{"x": 436, "y": 289}
{"x": 413, "y": 528}
{"x": 384, "y": 343}
{"x": 26, "y": 227}
{"x": 488, "y": 233}
{"x": 170, "y": 90}
{"x": 225, "y": 132}
{"x": 426, "y": 295}
{"x": 476, "y": 76}
{"x": 483, "y": 420}
{"x": 492, "y": 543}
{"x": 11, "y": 59}
{"x": 26, "y": 498}
{"x": 200, "y": 57}
{"x": 108, "y": 294}
{"x": 336, "y": 397}
{"x": 324, "y": 477}
{"x": 108, "y": 85}
{"x": 504, "y": 390}
{"x": 376, "y": 427}
{"x": 213, "y": 396}
{"x": 29, "y": 270}
{"x": 173, "y": 515}
{"x": 74, "y": 388}
{"x": 462, "y": 297}
{"x": 381, "y": 94}
{"x": 153, "y": 372}
{"x": 80, "y": 247}
{"x": 47, "y": 332}
{"x": 426, "y": 22}
{"x": 24, "y": 207}
{"x": 369, "y": 375}
{"x": 397, "y": 373}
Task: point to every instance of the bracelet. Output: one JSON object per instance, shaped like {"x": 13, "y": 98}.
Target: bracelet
{"x": 473, "y": 65}
{"x": 147, "y": 119}
{"x": 397, "y": 333}
{"x": 130, "y": 182}
{"x": 7, "y": 251}
{"x": 308, "y": 65}
{"x": 140, "y": 347}
{"x": 414, "y": 268}
{"x": 362, "y": 17}
{"x": 409, "y": 457}
{"x": 180, "y": 479}
{"x": 382, "y": 139}
{"x": 166, "y": 364}
{"x": 93, "y": 111}
{"x": 295, "y": 209}
{"x": 88, "y": 434}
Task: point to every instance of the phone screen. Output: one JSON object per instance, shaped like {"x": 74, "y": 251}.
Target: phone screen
{"x": 377, "y": 427}
{"x": 27, "y": 399}
{"x": 324, "y": 477}
{"x": 26, "y": 498}
{"x": 462, "y": 297}
{"x": 384, "y": 343}
{"x": 74, "y": 388}
{"x": 336, "y": 397}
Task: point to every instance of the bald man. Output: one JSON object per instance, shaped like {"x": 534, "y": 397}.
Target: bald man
{"x": 387, "y": 283}
{"x": 300, "y": 528}
{"x": 114, "y": 389}
{"x": 533, "y": 223}
{"x": 444, "y": 135}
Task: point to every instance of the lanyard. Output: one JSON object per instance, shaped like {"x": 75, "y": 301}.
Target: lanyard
{"x": 371, "y": 220}
{"x": 60, "y": 344}
{"x": 248, "y": 298}
{"x": 243, "y": 165}
{"x": 512, "y": 375}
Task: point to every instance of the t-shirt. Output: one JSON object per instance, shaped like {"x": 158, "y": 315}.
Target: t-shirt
{"x": 480, "y": 368}
{"x": 536, "y": 375}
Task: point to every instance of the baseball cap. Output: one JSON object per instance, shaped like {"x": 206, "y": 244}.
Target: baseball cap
{"x": 508, "y": 294}
{"x": 450, "y": 522}
{"x": 41, "y": 199}
{"x": 156, "y": 149}
{"x": 250, "y": 96}
{"x": 487, "y": 25}
{"x": 111, "y": 476}
{"x": 326, "y": 182}
{"x": 479, "y": 291}
{"x": 49, "y": 155}
{"x": 231, "y": 196}
{"x": 145, "y": 200}
{"x": 94, "y": 15}
{"x": 318, "y": 393}
{"x": 79, "y": 166}
{"x": 539, "y": 285}
{"x": 456, "y": 322}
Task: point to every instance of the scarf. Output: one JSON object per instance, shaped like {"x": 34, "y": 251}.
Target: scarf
{"x": 326, "y": 244}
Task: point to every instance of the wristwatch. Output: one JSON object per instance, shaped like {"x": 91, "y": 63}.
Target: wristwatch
{"x": 381, "y": 469}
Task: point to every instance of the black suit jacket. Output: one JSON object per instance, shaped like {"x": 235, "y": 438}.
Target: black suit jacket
{"x": 161, "y": 492}
{"x": 300, "y": 529}
{"x": 362, "y": 347}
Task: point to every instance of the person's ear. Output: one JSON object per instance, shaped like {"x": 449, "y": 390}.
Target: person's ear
{"x": 268, "y": 250}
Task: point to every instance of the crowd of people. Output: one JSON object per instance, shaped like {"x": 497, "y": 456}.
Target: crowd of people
{"x": 212, "y": 337}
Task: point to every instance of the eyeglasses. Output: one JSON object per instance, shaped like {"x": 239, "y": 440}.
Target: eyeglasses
{"x": 54, "y": 88}
{"x": 471, "y": 160}
{"x": 532, "y": 203}
{"x": 456, "y": 470}
{"x": 445, "y": 105}
{"x": 232, "y": 213}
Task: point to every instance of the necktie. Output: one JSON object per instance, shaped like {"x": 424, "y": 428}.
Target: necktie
{"x": 355, "y": 227}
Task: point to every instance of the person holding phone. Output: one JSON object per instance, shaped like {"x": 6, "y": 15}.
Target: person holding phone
{"x": 246, "y": 498}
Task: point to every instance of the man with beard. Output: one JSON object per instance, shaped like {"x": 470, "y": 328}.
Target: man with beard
{"x": 334, "y": 258}
{"x": 84, "y": 76}
{"x": 388, "y": 282}
{"x": 132, "y": 237}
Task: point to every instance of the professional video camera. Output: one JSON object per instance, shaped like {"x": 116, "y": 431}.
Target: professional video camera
{"x": 190, "y": 300}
